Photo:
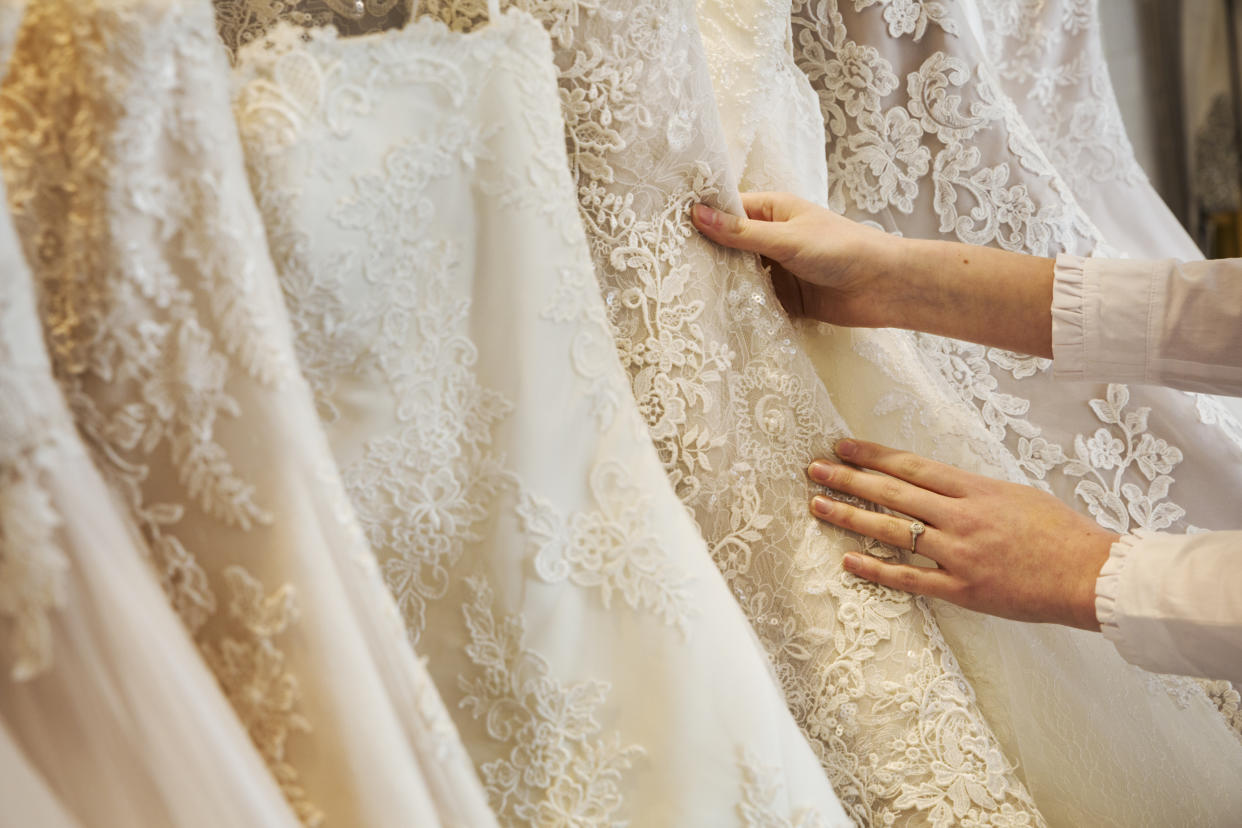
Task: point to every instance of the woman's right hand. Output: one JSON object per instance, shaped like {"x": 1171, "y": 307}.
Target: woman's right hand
{"x": 824, "y": 266}
{"x": 829, "y": 268}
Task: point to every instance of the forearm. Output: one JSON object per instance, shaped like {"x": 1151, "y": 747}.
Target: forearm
{"x": 979, "y": 294}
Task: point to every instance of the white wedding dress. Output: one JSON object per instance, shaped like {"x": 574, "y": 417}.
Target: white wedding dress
{"x": 168, "y": 337}
{"x": 417, "y": 198}
{"x": 922, "y": 140}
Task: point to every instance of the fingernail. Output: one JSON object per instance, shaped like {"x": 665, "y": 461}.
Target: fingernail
{"x": 821, "y": 506}
{"x": 851, "y": 562}
{"x": 820, "y": 472}
{"x": 846, "y": 448}
{"x": 706, "y": 216}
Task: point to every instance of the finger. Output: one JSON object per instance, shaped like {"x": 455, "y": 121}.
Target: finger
{"x": 878, "y": 488}
{"x": 763, "y": 237}
{"x": 917, "y": 579}
{"x": 904, "y": 465}
{"x": 772, "y": 206}
{"x": 890, "y": 529}
{"x": 788, "y": 289}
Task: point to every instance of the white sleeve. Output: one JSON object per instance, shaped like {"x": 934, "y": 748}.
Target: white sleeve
{"x": 1160, "y": 322}
{"x": 1173, "y": 603}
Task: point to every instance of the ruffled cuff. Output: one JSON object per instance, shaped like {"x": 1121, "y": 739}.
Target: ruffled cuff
{"x": 1068, "y": 299}
{"x": 1108, "y": 585}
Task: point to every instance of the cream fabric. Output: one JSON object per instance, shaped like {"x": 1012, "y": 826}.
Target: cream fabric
{"x": 416, "y": 190}
{"x": 169, "y": 340}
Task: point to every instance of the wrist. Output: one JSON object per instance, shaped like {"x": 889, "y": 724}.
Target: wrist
{"x": 881, "y": 264}
{"x": 1083, "y": 613}
{"x": 909, "y": 277}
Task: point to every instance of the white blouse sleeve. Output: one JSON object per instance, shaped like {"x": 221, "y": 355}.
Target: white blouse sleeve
{"x": 1170, "y": 603}
{"x": 1173, "y": 603}
{"x": 1160, "y": 322}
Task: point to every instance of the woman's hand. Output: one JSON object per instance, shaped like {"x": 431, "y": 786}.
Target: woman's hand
{"x": 824, "y": 266}
{"x": 829, "y": 268}
{"x": 1000, "y": 548}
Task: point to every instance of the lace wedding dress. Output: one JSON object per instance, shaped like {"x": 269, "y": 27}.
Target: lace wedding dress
{"x": 736, "y": 412}
{"x": 922, "y": 140}
{"x": 417, "y": 198}
{"x": 167, "y": 335}
{"x": 101, "y": 689}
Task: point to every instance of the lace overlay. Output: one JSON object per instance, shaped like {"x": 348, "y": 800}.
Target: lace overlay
{"x": 241, "y": 21}
{"x": 168, "y": 338}
{"x": 34, "y": 434}
{"x": 735, "y": 412}
{"x": 1119, "y": 454}
{"x": 453, "y": 299}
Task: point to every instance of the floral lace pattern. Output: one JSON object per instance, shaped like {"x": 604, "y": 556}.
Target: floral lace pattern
{"x": 169, "y": 339}
{"x": 1109, "y": 451}
{"x": 432, "y": 356}
{"x": 560, "y": 770}
{"x": 145, "y": 338}
{"x": 613, "y": 549}
{"x": 251, "y": 669}
{"x": 735, "y": 411}
{"x": 761, "y": 795}
{"x": 1051, "y": 55}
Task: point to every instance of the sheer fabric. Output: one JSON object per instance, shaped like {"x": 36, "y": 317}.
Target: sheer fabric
{"x": 417, "y": 197}
{"x": 27, "y": 798}
{"x": 1048, "y": 58}
{"x": 168, "y": 338}
{"x": 923, "y": 141}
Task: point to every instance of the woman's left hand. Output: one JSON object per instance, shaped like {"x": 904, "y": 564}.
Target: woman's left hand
{"x": 1000, "y": 548}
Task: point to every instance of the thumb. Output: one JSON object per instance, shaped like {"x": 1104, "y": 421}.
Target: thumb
{"x": 738, "y": 232}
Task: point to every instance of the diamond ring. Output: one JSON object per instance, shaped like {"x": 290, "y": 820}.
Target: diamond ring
{"x": 916, "y": 528}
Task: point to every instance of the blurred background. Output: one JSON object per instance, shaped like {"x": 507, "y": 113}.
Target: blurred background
{"x": 1174, "y": 65}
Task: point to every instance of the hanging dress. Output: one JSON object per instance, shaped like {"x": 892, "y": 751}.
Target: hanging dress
{"x": 416, "y": 194}
{"x": 168, "y": 338}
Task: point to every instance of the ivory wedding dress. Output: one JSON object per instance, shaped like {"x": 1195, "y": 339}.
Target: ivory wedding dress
{"x": 168, "y": 337}
{"x": 101, "y": 689}
{"x": 922, "y": 140}
{"x": 417, "y": 198}
{"x": 736, "y": 412}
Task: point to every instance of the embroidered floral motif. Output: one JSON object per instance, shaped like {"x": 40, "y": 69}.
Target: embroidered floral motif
{"x": 149, "y": 359}
{"x": 559, "y": 770}
{"x": 911, "y": 17}
{"x": 593, "y": 353}
{"x": 613, "y": 549}
{"x": 761, "y": 798}
{"x": 1121, "y": 505}
{"x": 251, "y": 669}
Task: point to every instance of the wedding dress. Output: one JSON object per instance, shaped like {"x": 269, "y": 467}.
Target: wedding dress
{"x": 736, "y": 413}
{"x": 419, "y": 205}
{"x": 167, "y": 334}
{"x": 1048, "y": 57}
{"x": 102, "y": 690}
{"x": 923, "y": 141}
